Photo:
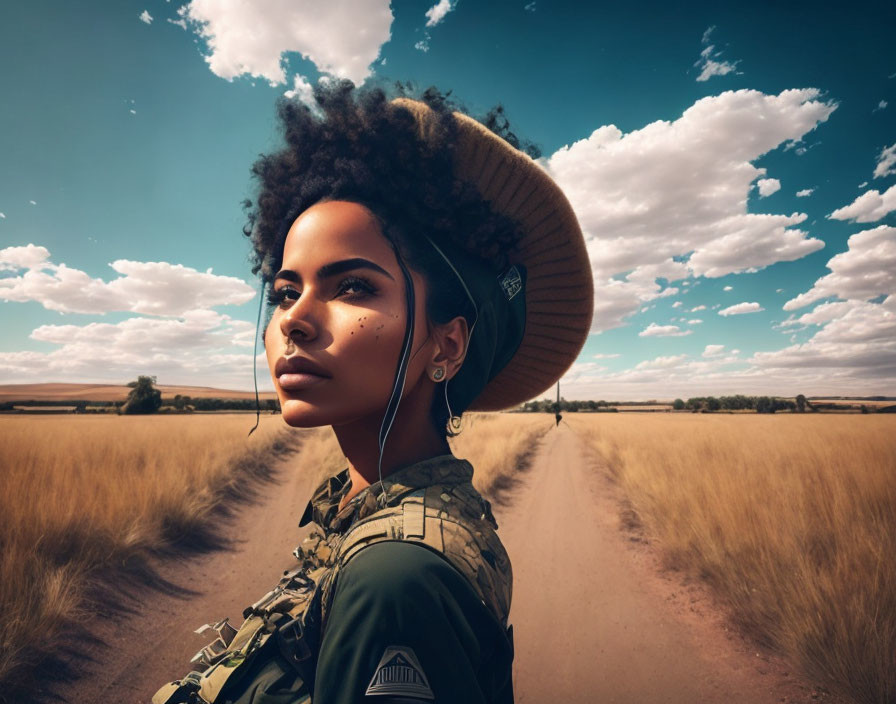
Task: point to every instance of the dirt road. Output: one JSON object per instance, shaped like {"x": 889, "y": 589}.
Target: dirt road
{"x": 593, "y": 620}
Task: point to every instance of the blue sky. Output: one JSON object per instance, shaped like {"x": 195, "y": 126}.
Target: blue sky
{"x": 733, "y": 168}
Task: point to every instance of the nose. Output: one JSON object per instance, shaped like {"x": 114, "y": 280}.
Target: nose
{"x": 297, "y": 323}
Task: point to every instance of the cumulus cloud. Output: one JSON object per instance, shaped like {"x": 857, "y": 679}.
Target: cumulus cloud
{"x": 767, "y": 186}
{"x": 670, "y": 199}
{"x": 867, "y": 269}
{"x": 204, "y": 348}
{"x": 654, "y": 330}
{"x": 303, "y": 92}
{"x": 805, "y": 192}
{"x": 154, "y": 288}
{"x": 146, "y": 17}
{"x": 437, "y": 12}
{"x": 728, "y": 288}
{"x": 741, "y": 309}
{"x": 708, "y": 64}
{"x": 696, "y": 308}
{"x": 694, "y": 321}
{"x": 870, "y": 206}
{"x": 182, "y": 340}
{"x": 2, "y": 216}
{"x": 251, "y": 38}
{"x": 886, "y": 162}
{"x": 713, "y": 350}
{"x": 880, "y": 106}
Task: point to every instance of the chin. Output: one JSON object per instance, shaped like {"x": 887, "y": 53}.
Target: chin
{"x": 301, "y": 414}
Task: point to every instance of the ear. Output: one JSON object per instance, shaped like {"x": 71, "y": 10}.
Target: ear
{"x": 450, "y": 346}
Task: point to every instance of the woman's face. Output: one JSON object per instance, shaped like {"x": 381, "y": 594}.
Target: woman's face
{"x": 340, "y": 319}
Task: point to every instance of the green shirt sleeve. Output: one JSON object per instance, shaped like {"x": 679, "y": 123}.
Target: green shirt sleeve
{"x": 405, "y": 626}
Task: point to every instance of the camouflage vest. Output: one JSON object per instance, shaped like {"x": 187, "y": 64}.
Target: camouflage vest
{"x": 432, "y": 503}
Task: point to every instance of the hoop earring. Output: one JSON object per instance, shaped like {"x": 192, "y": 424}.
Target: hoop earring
{"x": 454, "y": 422}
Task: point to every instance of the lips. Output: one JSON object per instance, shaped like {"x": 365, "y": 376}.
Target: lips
{"x": 297, "y": 373}
{"x": 299, "y": 365}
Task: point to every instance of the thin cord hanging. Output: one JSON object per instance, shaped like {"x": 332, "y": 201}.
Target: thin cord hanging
{"x": 255, "y": 359}
{"x": 401, "y": 372}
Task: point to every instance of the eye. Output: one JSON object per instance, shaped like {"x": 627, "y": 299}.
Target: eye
{"x": 279, "y": 296}
{"x": 355, "y": 287}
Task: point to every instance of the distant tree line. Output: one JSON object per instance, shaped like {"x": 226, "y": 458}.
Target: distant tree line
{"x": 739, "y": 402}
{"x": 565, "y": 406}
{"x": 144, "y": 398}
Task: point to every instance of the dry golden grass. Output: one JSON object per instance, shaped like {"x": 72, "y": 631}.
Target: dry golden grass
{"x": 498, "y": 445}
{"x": 86, "y": 493}
{"x": 791, "y": 519}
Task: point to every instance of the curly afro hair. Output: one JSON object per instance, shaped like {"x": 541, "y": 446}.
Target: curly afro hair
{"x": 354, "y": 144}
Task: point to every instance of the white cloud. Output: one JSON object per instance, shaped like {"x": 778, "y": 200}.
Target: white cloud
{"x": 677, "y": 304}
{"x": 2, "y": 216}
{"x": 33, "y": 202}
{"x": 146, "y": 17}
{"x": 868, "y": 207}
{"x": 530, "y": 7}
{"x": 182, "y": 23}
{"x": 880, "y": 106}
{"x": 886, "y": 162}
{"x": 196, "y": 350}
{"x": 251, "y": 37}
{"x": 694, "y": 321}
{"x": 728, "y": 288}
{"x": 662, "y": 362}
{"x": 741, "y": 308}
{"x": 183, "y": 342}
{"x": 654, "y": 330}
{"x": 713, "y": 350}
{"x": 133, "y": 112}
{"x": 303, "y": 92}
{"x": 154, "y": 288}
{"x": 696, "y": 308}
{"x": 606, "y": 356}
{"x": 767, "y": 186}
{"x": 707, "y": 63}
{"x": 857, "y": 340}
{"x": 805, "y": 192}
{"x": 437, "y": 12}
{"x": 422, "y": 45}
{"x": 865, "y": 270}
{"x": 671, "y": 190}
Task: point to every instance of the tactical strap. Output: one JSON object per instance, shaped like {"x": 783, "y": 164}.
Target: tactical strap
{"x": 431, "y": 517}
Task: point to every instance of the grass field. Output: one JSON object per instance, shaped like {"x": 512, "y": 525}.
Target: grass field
{"x": 88, "y": 495}
{"x": 790, "y": 518}
{"x": 83, "y": 494}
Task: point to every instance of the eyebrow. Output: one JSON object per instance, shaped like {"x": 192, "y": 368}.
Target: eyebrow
{"x": 340, "y": 267}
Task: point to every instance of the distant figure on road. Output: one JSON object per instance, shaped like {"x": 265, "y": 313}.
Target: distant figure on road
{"x": 406, "y": 245}
{"x": 558, "y": 417}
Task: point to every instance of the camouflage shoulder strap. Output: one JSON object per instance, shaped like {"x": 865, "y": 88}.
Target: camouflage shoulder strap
{"x": 456, "y": 522}
{"x": 277, "y": 618}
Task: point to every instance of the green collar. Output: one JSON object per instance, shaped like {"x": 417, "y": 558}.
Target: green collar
{"x": 323, "y": 508}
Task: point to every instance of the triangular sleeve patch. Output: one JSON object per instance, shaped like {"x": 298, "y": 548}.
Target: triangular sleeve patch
{"x": 399, "y": 674}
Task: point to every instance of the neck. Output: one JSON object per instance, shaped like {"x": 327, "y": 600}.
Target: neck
{"x": 412, "y": 439}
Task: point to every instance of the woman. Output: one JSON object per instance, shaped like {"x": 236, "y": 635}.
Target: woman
{"x": 419, "y": 266}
